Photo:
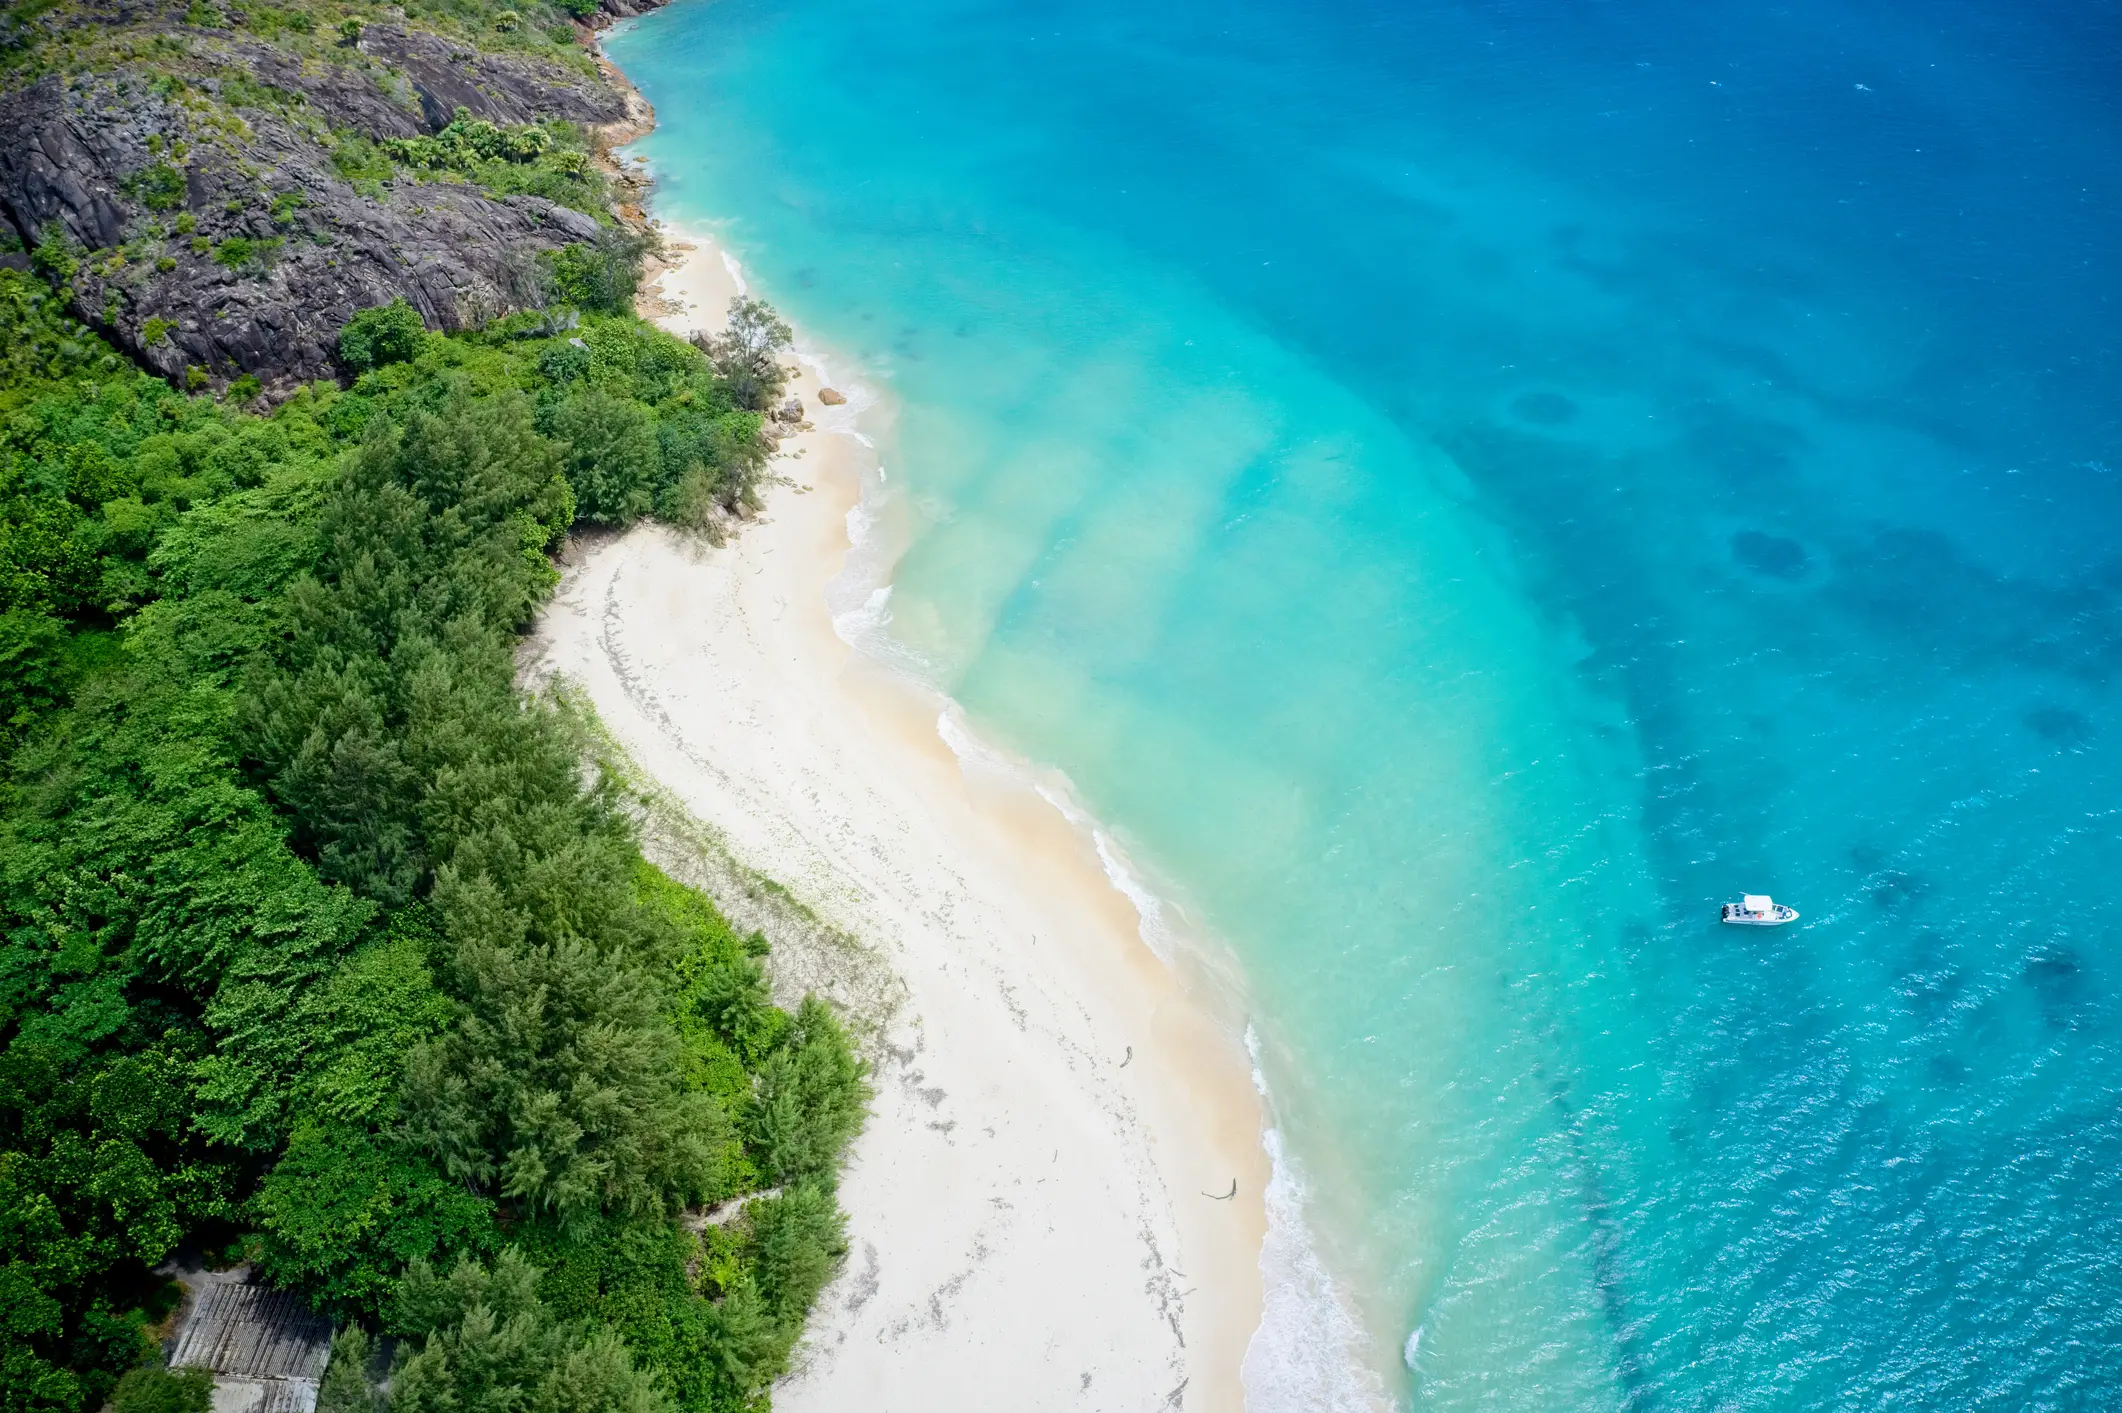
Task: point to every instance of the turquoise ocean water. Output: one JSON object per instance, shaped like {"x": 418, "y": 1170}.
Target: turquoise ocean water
{"x": 1465, "y": 488}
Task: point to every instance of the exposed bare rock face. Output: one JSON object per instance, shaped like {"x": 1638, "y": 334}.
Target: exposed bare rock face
{"x": 500, "y": 88}
{"x": 81, "y": 156}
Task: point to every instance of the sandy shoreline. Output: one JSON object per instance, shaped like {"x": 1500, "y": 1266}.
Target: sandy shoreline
{"x": 1030, "y": 1217}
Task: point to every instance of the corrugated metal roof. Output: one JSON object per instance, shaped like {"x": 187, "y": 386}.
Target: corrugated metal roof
{"x": 264, "y": 1395}
{"x": 253, "y": 1332}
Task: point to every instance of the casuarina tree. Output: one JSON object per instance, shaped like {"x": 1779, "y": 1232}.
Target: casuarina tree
{"x": 747, "y": 354}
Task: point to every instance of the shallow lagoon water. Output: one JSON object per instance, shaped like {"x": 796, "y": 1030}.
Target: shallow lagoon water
{"x": 1464, "y": 489}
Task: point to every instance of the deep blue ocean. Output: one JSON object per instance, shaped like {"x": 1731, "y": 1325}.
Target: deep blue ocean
{"x": 1463, "y": 489}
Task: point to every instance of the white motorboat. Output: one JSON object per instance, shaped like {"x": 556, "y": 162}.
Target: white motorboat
{"x": 1758, "y": 910}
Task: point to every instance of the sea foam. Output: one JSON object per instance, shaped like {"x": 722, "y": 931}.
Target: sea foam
{"x": 1308, "y": 1354}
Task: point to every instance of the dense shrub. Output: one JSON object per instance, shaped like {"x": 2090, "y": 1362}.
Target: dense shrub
{"x": 614, "y": 459}
{"x": 55, "y": 256}
{"x": 482, "y": 1341}
{"x": 33, "y": 669}
{"x": 602, "y": 275}
{"x": 467, "y": 141}
{"x": 154, "y": 1389}
{"x": 245, "y": 252}
{"x": 159, "y": 187}
{"x": 388, "y": 333}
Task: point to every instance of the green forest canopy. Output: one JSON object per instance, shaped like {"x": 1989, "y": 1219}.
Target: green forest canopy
{"x": 324, "y": 947}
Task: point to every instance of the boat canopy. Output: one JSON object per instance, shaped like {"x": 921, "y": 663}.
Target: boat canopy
{"x": 1760, "y": 903}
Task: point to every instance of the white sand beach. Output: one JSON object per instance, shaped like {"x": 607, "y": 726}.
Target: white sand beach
{"x": 1033, "y": 1213}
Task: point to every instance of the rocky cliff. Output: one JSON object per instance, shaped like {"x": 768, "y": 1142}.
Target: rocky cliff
{"x": 209, "y": 183}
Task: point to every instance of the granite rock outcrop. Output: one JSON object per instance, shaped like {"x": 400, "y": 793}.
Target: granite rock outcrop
{"x": 190, "y": 200}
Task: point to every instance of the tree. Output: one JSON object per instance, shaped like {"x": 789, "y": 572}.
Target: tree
{"x": 613, "y": 456}
{"x": 811, "y": 1099}
{"x": 711, "y": 462}
{"x": 343, "y": 1213}
{"x": 601, "y": 275}
{"x": 488, "y": 1344}
{"x": 747, "y": 354}
{"x": 33, "y": 669}
{"x": 392, "y": 700}
{"x": 560, "y": 1086}
{"x": 349, "y": 1384}
{"x": 388, "y": 333}
{"x": 55, "y": 256}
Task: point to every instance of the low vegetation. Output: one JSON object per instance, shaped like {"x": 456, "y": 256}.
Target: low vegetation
{"x": 39, "y": 37}
{"x": 324, "y": 946}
